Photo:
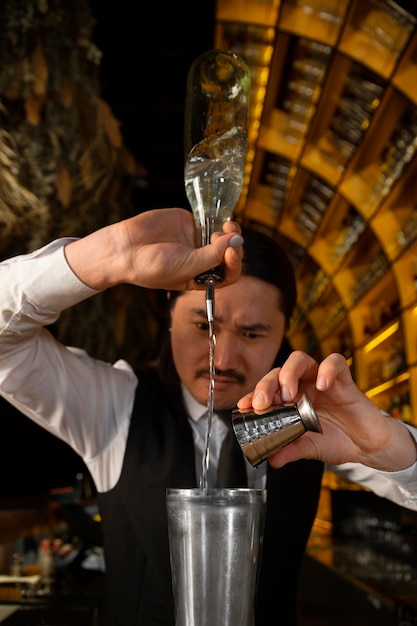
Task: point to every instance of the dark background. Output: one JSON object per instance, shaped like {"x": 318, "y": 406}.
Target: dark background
{"x": 143, "y": 77}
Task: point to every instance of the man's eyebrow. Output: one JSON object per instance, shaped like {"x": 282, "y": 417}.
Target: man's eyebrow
{"x": 199, "y": 312}
{"x": 256, "y": 327}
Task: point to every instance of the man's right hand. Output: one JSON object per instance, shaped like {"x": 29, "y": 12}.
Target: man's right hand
{"x": 156, "y": 249}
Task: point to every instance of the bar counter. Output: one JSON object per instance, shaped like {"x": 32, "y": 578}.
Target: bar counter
{"x": 361, "y": 566}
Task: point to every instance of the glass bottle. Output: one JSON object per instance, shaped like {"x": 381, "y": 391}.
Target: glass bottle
{"x": 215, "y": 138}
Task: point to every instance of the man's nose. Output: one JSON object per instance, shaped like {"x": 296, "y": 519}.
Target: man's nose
{"x": 226, "y": 351}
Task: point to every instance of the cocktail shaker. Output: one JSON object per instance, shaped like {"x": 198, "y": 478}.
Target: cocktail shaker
{"x": 215, "y": 539}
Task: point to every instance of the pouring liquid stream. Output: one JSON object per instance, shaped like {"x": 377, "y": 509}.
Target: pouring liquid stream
{"x": 210, "y": 400}
{"x": 216, "y": 120}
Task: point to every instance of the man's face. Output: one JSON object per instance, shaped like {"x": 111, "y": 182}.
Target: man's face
{"x": 249, "y": 328}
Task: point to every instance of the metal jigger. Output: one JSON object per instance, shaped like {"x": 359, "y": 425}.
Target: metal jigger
{"x": 260, "y": 433}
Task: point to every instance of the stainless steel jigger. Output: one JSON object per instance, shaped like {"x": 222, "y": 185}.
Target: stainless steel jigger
{"x": 260, "y": 433}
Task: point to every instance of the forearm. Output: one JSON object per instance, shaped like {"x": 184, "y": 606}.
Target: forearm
{"x": 99, "y": 259}
{"x": 399, "y": 486}
{"x": 400, "y": 452}
{"x": 36, "y": 287}
{"x": 384, "y": 443}
{"x": 155, "y": 249}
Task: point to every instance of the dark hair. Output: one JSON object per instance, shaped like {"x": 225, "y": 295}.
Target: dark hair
{"x": 264, "y": 258}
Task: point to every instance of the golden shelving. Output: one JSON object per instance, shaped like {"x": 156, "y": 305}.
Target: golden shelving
{"x": 332, "y": 173}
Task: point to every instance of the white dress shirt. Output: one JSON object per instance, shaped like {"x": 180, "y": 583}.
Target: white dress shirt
{"x": 87, "y": 402}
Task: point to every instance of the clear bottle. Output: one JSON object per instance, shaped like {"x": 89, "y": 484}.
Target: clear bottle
{"x": 215, "y": 141}
{"x": 213, "y": 177}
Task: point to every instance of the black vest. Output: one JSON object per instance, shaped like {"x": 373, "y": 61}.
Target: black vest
{"x": 160, "y": 454}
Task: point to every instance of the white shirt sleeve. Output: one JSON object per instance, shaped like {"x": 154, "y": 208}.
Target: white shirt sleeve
{"x": 84, "y": 401}
{"x": 399, "y": 487}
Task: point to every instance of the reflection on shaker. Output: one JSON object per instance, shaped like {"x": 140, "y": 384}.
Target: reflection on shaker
{"x": 261, "y": 433}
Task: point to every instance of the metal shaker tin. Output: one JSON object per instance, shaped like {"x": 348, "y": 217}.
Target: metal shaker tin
{"x": 260, "y": 433}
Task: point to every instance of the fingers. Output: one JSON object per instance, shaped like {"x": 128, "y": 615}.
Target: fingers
{"x": 331, "y": 368}
{"x": 299, "y": 366}
{"x": 229, "y": 250}
{"x": 302, "y": 448}
{"x": 266, "y": 392}
{"x": 229, "y": 226}
{"x": 302, "y": 367}
{"x": 283, "y": 384}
